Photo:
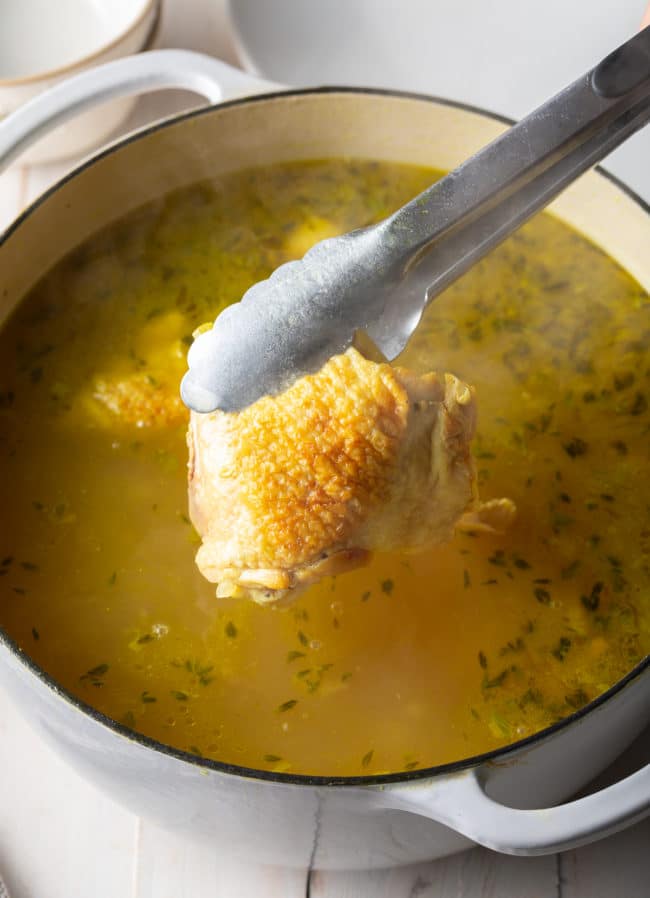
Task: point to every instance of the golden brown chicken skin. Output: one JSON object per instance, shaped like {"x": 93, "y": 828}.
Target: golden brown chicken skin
{"x": 357, "y": 458}
{"x": 140, "y": 388}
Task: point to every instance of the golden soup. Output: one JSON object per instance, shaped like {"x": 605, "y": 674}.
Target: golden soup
{"x": 414, "y": 661}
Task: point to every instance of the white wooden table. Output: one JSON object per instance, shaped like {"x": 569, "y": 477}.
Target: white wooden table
{"x": 60, "y": 838}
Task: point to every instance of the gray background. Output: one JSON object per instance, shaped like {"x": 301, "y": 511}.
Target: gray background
{"x": 507, "y": 56}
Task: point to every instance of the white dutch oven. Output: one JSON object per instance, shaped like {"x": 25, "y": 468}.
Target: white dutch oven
{"x": 512, "y": 800}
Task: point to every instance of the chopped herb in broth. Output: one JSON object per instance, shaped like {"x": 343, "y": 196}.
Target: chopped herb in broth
{"x": 407, "y": 663}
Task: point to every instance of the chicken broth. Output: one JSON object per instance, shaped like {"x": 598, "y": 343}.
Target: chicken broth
{"x": 412, "y": 661}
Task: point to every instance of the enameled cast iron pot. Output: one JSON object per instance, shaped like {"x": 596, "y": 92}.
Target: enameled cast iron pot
{"x": 359, "y": 822}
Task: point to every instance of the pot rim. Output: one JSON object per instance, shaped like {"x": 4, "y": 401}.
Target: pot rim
{"x": 298, "y": 779}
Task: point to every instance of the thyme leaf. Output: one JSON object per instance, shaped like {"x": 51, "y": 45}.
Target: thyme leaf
{"x": 98, "y": 671}
{"x": 492, "y": 683}
{"x": 367, "y": 758}
{"x": 592, "y": 601}
{"x": 575, "y": 447}
{"x": 288, "y": 705}
{"x": 561, "y": 649}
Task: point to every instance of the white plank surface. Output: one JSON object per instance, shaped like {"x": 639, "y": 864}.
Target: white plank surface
{"x": 60, "y": 838}
{"x": 168, "y": 867}
{"x": 620, "y": 866}
{"x": 472, "y": 874}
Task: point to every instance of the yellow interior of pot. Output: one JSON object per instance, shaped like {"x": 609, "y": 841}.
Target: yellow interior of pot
{"x": 309, "y": 126}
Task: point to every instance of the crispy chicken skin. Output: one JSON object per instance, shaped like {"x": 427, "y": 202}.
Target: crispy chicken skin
{"x": 138, "y": 400}
{"x": 146, "y": 398}
{"x": 359, "y": 457}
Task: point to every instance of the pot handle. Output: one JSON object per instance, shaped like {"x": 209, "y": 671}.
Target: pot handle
{"x": 461, "y": 802}
{"x": 155, "y": 70}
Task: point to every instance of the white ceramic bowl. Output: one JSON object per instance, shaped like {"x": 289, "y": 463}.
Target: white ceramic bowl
{"x": 43, "y": 42}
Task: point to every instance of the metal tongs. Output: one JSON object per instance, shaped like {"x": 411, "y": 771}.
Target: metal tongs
{"x": 371, "y": 286}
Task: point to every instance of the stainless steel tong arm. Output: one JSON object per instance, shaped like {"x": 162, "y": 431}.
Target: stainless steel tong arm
{"x": 380, "y": 279}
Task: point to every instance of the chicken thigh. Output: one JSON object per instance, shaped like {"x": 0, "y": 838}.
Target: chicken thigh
{"x": 357, "y": 458}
